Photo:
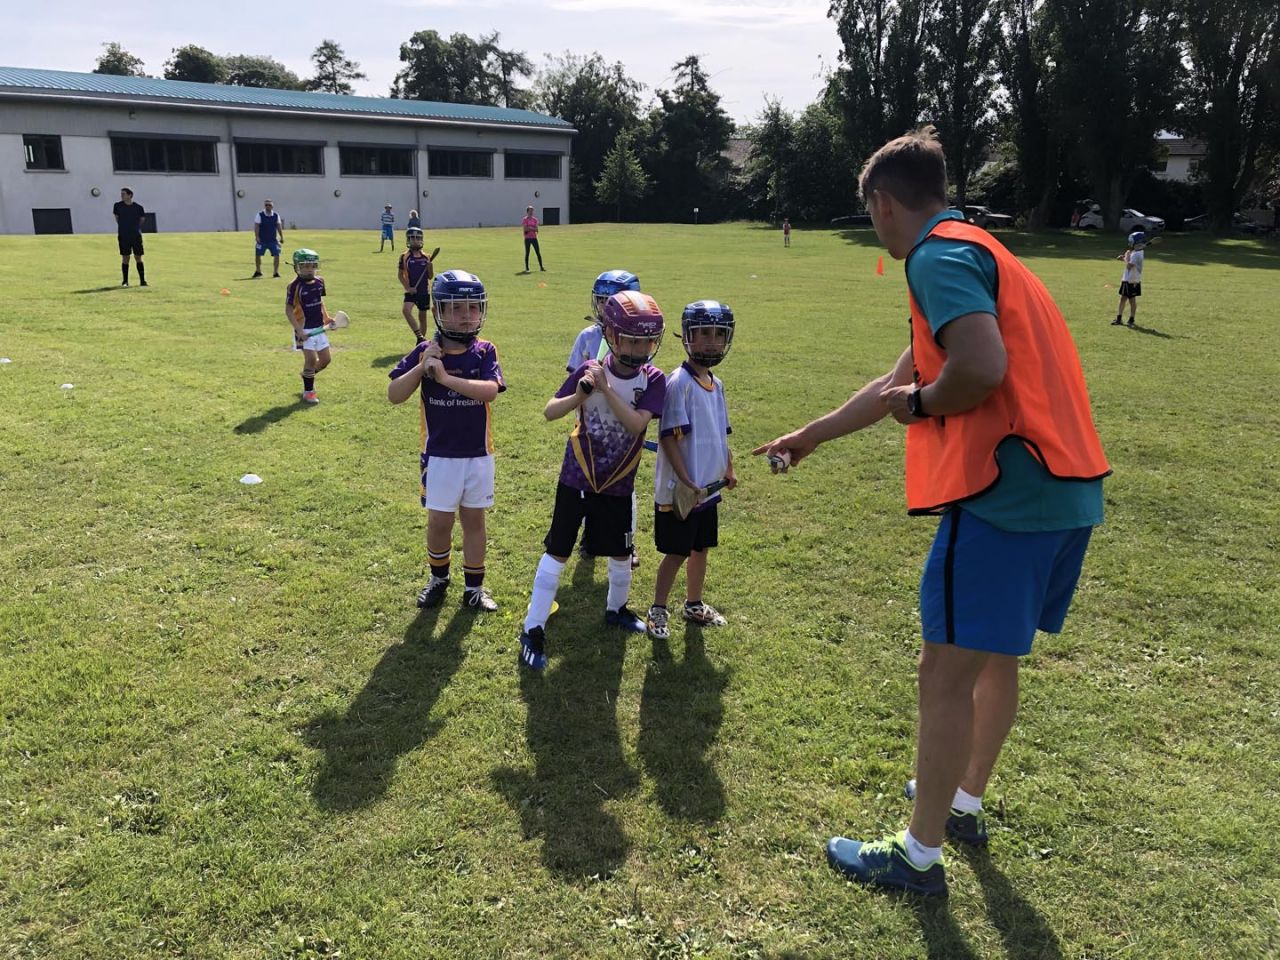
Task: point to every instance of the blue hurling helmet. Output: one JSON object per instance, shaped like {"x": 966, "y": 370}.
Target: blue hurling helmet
{"x": 457, "y": 287}
{"x": 700, "y": 315}
{"x": 606, "y": 285}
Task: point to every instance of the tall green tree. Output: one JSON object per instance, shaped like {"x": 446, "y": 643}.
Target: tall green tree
{"x": 622, "y": 180}
{"x": 691, "y": 130}
{"x": 460, "y": 70}
{"x": 769, "y": 163}
{"x": 1121, "y": 73}
{"x": 601, "y": 102}
{"x": 334, "y": 72}
{"x": 1233, "y": 49}
{"x": 119, "y": 62}
{"x": 1026, "y": 54}
{"x": 878, "y": 86}
{"x": 259, "y": 70}
{"x": 823, "y": 177}
{"x": 961, "y": 38}
{"x": 505, "y": 66}
{"x": 195, "y": 64}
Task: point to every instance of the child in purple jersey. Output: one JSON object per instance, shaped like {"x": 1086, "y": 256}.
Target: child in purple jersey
{"x": 460, "y": 377}
{"x": 305, "y": 310}
{"x": 614, "y": 400}
{"x": 415, "y": 274}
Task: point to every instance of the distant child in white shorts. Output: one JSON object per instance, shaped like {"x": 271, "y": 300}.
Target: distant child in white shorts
{"x": 305, "y": 310}
{"x": 460, "y": 377}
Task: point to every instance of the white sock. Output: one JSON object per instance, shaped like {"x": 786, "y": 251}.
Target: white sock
{"x": 545, "y": 583}
{"x": 920, "y": 855}
{"x": 966, "y": 802}
{"x": 619, "y": 583}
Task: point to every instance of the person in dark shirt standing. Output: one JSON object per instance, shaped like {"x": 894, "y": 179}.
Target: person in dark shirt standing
{"x": 129, "y": 234}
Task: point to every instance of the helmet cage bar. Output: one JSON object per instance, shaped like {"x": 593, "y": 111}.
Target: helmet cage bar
{"x": 700, "y": 354}
{"x": 625, "y": 350}
{"x": 450, "y": 325}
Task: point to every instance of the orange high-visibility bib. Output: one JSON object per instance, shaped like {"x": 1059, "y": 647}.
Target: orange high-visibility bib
{"x": 1042, "y": 400}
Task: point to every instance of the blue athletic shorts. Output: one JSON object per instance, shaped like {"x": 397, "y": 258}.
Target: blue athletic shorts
{"x": 989, "y": 589}
{"x": 272, "y": 248}
{"x": 387, "y": 232}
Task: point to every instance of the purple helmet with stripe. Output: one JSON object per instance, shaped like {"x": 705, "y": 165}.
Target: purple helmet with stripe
{"x": 633, "y": 327}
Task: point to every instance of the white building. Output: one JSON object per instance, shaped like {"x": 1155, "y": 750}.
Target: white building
{"x": 1177, "y": 157}
{"x": 203, "y": 157}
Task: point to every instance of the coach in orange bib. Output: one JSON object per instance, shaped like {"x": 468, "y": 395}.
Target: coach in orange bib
{"x": 1001, "y": 444}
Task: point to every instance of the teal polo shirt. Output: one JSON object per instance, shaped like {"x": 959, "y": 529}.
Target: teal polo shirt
{"x": 952, "y": 278}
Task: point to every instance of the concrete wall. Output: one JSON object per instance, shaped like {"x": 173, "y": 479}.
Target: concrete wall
{"x": 209, "y": 202}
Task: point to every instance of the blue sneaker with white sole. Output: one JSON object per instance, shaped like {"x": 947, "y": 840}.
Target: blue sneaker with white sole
{"x": 884, "y": 863}
{"x": 533, "y": 649}
{"x": 626, "y": 619}
{"x": 970, "y": 828}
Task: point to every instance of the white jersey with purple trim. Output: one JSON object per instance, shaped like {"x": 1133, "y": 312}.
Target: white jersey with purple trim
{"x": 601, "y": 455}
{"x": 1133, "y": 266}
{"x": 695, "y": 413}
{"x": 586, "y": 347}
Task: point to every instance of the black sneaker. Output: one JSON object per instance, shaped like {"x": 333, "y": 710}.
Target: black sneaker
{"x": 143, "y": 283}
{"x": 1117, "y": 322}
{"x": 257, "y": 275}
{"x": 968, "y": 828}
{"x": 1131, "y": 321}
{"x": 479, "y": 599}
{"x": 124, "y": 283}
{"x": 432, "y": 595}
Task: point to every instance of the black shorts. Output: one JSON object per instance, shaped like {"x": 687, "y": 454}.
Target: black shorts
{"x": 130, "y": 245}
{"x": 608, "y": 518}
{"x": 421, "y": 300}
{"x": 699, "y": 531}
{"x": 1130, "y": 289}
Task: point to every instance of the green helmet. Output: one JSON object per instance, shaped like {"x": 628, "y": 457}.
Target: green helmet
{"x": 305, "y": 256}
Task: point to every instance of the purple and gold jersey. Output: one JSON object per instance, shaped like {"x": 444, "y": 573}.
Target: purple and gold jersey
{"x": 455, "y": 426}
{"x": 601, "y": 456}
{"x": 415, "y": 271}
{"x": 304, "y": 299}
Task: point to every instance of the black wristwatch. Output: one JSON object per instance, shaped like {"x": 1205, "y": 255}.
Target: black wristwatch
{"x": 914, "y": 406}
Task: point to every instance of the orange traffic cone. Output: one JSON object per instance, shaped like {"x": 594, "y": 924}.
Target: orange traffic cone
{"x": 879, "y": 266}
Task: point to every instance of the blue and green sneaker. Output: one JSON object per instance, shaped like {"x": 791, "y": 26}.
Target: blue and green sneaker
{"x": 884, "y": 863}
{"x": 964, "y": 827}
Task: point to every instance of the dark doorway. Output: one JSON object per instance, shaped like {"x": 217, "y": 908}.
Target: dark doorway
{"x": 551, "y": 216}
{"x": 52, "y": 220}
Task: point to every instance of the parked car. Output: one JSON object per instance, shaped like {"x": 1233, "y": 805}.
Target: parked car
{"x": 852, "y": 220}
{"x": 1239, "y": 222}
{"x": 985, "y": 217}
{"x": 1129, "y": 219}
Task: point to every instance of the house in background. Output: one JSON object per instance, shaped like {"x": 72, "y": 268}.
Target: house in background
{"x": 1177, "y": 157}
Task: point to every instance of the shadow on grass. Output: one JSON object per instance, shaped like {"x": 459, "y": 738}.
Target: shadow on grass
{"x": 390, "y": 360}
{"x": 1153, "y": 332}
{"x": 681, "y": 709}
{"x": 1026, "y": 934}
{"x": 572, "y": 729}
{"x": 114, "y": 286}
{"x": 257, "y": 424}
{"x": 390, "y": 716}
{"x": 942, "y": 937}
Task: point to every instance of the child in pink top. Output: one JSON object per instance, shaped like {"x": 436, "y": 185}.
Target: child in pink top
{"x": 530, "y": 225}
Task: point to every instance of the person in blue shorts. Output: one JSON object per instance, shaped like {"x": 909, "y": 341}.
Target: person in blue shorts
{"x": 388, "y": 228}
{"x": 1001, "y": 444}
{"x": 268, "y": 230}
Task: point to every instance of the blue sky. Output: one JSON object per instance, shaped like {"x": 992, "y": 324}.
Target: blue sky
{"x": 749, "y": 47}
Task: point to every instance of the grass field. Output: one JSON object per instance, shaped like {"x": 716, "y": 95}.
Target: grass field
{"x": 227, "y": 732}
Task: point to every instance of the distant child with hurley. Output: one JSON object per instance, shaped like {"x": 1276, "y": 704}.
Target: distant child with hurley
{"x": 415, "y": 273}
{"x": 693, "y": 450}
{"x": 1131, "y": 283}
{"x": 614, "y": 401}
{"x": 460, "y": 377}
{"x": 305, "y": 310}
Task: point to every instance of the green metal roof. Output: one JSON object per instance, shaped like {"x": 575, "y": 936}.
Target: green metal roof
{"x": 19, "y": 80}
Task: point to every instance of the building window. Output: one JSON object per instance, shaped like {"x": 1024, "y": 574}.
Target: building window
{"x": 43, "y": 153}
{"x": 148, "y": 155}
{"x": 459, "y": 163}
{"x": 305, "y": 159}
{"x": 1160, "y": 166}
{"x": 376, "y": 161}
{"x": 531, "y": 166}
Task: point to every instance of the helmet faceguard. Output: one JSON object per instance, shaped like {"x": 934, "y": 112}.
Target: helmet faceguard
{"x": 305, "y": 263}
{"x": 706, "y": 330}
{"x": 606, "y": 285}
{"x": 413, "y": 238}
{"x": 459, "y": 305}
{"x": 633, "y": 327}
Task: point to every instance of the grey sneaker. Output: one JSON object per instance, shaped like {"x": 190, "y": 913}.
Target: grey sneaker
{"x": 657, "y": 623}
{"x": 703, "y": 614}
{"x": 432, "y": 595}
{"x": 479, "y": 599}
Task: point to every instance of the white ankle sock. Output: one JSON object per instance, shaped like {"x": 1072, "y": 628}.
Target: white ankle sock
{"x": 545, "y": 583}
{"x": 619, "y": 583}
{"x": 920, "y": 855}
{"x": 966, "y": 802}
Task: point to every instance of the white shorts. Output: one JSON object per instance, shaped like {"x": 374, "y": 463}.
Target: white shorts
{"x": 452, "y": 482}
{"x": 317, "y": 341}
